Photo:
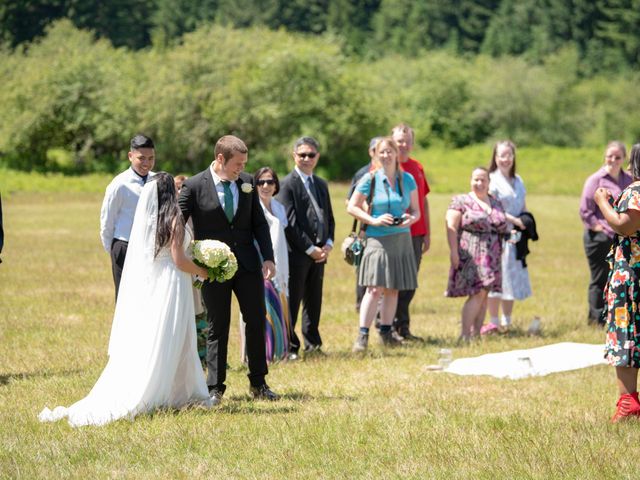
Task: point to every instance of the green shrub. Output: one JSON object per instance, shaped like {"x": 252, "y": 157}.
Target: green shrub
{"x": 70, "y": 103}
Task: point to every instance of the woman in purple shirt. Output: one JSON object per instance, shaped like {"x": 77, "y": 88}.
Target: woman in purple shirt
{"x": 598, "y": 235}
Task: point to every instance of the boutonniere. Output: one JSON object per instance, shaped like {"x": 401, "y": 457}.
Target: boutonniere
{"x": 246, "y": 187}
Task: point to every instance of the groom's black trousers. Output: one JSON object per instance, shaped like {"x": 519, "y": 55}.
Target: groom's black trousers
{"x": 249, "y": 290}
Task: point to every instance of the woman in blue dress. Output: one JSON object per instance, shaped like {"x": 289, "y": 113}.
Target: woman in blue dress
{"x": 388, "y": 262}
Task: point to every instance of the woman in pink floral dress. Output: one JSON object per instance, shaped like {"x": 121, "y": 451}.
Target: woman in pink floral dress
{"x": 622, "y": 292}
{"x": 475, "y": 222}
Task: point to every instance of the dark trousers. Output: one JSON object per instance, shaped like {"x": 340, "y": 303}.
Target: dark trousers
{"x": 402, "y": 319}
{"x": 305, "y": 286}
{"x": 118, "y": 254}
{"x": 248, "y": 288}
{"x": 596, "y": 248}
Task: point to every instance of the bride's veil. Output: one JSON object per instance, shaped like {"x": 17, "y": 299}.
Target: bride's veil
{"x": 138, "y": 266}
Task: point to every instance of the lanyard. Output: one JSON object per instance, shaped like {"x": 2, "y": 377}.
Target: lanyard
{"x": 385, "y": 182}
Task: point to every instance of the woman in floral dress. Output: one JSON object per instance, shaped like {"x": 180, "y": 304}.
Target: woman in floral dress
{"x": 475, "y": 222}
{"x": 622, "y": 293}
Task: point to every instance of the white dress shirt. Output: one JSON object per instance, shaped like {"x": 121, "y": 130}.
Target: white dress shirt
{"x": 119, "y": 207}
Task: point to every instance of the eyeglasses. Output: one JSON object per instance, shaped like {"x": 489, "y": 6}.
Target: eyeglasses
{"x": 311, "y": 155}
{"x": 265, "y": 182}
{"x": 615, "y": 157}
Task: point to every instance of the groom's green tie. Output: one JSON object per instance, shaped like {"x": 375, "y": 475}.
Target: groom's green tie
{"x": 228, "y": 200}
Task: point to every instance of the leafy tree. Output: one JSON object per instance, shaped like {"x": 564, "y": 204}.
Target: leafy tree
{"x": 174, "y": 18}
{"x": 392, "y": 32}
{"x": 23, "y": 20}
{"x": 473, "y": 17}
{"x": 309, "y": 16}
{"x": 124, "y": 22}
{"x": 619, "y": 27}
{"x": 71, "y": 102}
{"x": 67, "y": 92}
{"x": 533, "y": 28}
{"x": 352, "y": 20}
{"x": 510, "y": 31}
{"x": 268, "y": 88}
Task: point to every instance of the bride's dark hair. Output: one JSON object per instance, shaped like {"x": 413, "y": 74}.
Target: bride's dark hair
{"x": 170, "y": 220}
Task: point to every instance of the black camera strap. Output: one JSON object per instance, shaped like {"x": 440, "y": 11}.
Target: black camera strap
{"x": 363, "y": 226}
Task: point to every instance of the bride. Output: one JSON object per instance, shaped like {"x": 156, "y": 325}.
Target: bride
{"x": 153, "y": 361}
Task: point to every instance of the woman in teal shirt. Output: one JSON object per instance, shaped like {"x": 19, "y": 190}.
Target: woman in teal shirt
{"x": 388, "y": 262}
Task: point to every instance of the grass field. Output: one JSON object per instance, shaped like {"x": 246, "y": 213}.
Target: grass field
{"x": 380, "y": 416}
{"x": 546, "y": 170}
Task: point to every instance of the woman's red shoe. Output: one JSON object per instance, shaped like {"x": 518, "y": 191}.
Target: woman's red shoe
{"x": 628, "y": 405}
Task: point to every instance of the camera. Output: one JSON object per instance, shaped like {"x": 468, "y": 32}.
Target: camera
{"x": 397, "y": 220}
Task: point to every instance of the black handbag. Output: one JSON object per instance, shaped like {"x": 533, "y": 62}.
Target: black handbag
{"x": 352, "y": 247}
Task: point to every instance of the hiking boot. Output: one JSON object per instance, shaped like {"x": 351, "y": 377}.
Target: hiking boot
{"x": 627, "y": 406}
{"x": 388, "y": 339}
{"x": 361, "y": 343}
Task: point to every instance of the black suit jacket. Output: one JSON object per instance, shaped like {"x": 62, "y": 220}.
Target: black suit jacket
{"x": 199, "y": 201}
{"x": 301, "y": 233}
{"x": 529, "y": 233}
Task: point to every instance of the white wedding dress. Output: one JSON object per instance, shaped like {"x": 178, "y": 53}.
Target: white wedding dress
{"x": 153, "y": 360}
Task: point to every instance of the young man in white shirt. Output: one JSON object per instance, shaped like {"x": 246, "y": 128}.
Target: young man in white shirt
{"x": 120, "y": 202}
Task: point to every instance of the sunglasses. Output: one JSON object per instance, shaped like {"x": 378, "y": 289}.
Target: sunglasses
{"x": 265, "y": 182}
{"x": 311, "y": 155}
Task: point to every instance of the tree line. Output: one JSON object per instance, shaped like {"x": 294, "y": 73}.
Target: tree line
{"x": 71, "y": 101}
{"x": 604, "y": 33}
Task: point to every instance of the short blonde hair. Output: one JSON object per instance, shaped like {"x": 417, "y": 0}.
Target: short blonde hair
{"x": 404, "y": 128}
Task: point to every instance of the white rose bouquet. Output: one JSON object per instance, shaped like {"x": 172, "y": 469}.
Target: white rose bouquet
{"x": 217, "y": 258}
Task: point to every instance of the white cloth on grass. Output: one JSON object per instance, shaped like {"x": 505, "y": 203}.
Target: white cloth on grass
{"x": 516, "y": 364}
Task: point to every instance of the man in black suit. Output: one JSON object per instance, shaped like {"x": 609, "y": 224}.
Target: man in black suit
{"x": 310, "y": 237}
{"x": 223, "y": 205}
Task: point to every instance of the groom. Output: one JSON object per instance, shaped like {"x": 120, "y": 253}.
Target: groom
{"x": 223, "y": 205}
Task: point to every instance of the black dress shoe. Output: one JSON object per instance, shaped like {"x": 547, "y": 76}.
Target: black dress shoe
{"x": 410, "y": 337}
{"x": 314, "y": 351}
{"x": 263, "y": 392}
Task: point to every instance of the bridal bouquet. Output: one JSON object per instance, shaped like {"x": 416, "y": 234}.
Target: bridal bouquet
{"x": 217, "y": 258}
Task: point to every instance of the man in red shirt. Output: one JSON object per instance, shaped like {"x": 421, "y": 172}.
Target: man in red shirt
{"x": 420, "y": 231}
